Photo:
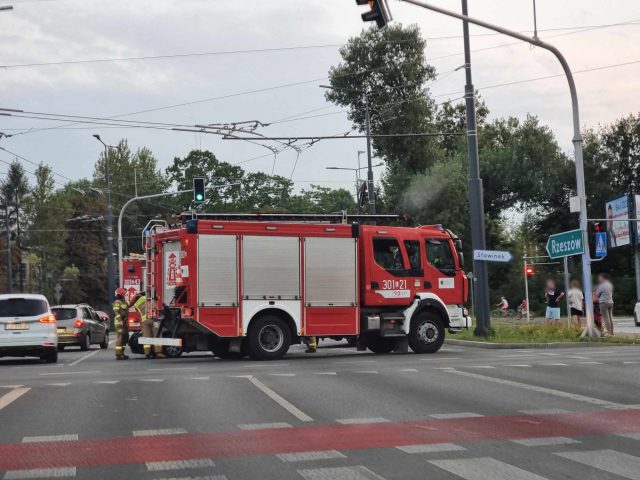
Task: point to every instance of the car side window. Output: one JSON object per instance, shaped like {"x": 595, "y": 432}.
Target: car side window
{"x": 86, "y": 314}
{"x": 440, "y": 256}
{"x": 387, "y": 253}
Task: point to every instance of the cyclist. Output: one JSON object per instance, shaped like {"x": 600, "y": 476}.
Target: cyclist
{"x": 522, "y": 309}
{"x": 503, "y": 305}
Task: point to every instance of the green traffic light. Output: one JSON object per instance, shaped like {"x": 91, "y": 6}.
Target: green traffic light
{"x": 199, "y": 197}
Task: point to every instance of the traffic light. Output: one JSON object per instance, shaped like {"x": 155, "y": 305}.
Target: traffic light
{"x": 379, "y": 12}
{"x": 597, "y": 227}
{"x": 199, "y": 189}
{"x": 529, "y": 271}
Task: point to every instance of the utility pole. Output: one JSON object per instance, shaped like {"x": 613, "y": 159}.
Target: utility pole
{"x": 9, "y": 272}
{"x": 370, "y": 187}
{"x": 577, "y": 141}
{"x": 476, "y": 201}
{"x": 109, "y": 222}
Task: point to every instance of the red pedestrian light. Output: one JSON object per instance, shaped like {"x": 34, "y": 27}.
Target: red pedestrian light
{"x": 529, "y": 271}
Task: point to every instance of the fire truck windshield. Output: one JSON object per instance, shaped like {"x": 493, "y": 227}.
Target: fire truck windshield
{"x": 439, "y": 255}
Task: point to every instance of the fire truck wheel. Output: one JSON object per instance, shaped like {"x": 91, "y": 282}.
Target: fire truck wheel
{"x": 427, "y": 333}
{"x": 379, "y": 345}
{"x": 269, "y": 338}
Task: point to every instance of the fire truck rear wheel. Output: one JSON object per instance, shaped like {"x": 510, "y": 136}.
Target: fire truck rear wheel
{"x": 269, "y": 338}
{"x": 427, "y": 333}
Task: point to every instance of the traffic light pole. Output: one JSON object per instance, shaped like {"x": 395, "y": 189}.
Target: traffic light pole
{"x": 122, "y": 210}
{"x": 577, "y": 141}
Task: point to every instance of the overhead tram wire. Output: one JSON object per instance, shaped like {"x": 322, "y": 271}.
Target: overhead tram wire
{"x": 574, "y": 29}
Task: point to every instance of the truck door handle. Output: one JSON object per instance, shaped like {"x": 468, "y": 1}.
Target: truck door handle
{"x": 374, "y": 285}
{"x": 427, "y": 285}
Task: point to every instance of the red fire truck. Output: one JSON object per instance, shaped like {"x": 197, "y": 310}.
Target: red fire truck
{"x": 241, "y": 284}
{"x": 132, "y": 282}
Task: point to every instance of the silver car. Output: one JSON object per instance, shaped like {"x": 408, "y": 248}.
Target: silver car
{"x": 80, "y": 325}
{"x": 27, "y": 327}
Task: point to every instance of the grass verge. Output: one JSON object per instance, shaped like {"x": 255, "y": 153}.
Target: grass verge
{"x": 538, "y": 333}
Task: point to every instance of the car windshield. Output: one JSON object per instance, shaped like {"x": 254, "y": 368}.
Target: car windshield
{"x": 22, "y": 307}
{"x": 64, "y": 313}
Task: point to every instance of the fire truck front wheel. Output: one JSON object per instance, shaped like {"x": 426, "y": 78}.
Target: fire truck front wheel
{"x": 269, "y": 338}
{"x": 427, "y": 333}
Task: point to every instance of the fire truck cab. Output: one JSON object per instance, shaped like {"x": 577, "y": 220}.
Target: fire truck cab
{"x": 253, "y": 285}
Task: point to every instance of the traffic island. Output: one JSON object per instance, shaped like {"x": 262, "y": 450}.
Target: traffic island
{"x": 535, "y": 336}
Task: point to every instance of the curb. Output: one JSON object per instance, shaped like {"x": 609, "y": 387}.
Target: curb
{"x": 507, "y": 346}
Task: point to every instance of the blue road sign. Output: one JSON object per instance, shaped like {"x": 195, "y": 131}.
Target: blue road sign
{"x": 601, "y": 244}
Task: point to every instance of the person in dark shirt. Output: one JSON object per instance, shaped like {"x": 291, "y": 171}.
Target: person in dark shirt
{"x": 552, "y": 296}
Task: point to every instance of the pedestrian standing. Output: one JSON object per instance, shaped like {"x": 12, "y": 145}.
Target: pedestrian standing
{"x": 121, "y": 311}
{"x": 576, "y": 303}
{"x": 553, "y": 296}
{"x": 605, "y": 301}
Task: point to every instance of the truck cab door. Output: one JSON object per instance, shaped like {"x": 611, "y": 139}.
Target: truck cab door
{"x": 389, "y": 279}
{"x": 441, "y": 271}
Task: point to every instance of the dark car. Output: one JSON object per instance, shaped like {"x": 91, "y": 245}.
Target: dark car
{"x": 80, "y": 325}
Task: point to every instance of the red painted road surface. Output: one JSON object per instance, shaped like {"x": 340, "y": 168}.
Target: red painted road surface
{"x": 136, "y": 450}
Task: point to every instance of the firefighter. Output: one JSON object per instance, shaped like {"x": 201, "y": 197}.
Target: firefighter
{"x": 312, "y": 345}
{"x": 140, "y": 304}
{"x": 121, "y": 311}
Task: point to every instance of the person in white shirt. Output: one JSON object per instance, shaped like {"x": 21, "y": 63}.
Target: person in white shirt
{"x": 576, "y": 303}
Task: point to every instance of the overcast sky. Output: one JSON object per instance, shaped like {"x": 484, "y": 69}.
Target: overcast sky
{"x": 38, "y": 31}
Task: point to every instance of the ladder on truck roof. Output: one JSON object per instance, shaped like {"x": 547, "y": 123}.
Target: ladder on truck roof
{"x": 291, "y": 217}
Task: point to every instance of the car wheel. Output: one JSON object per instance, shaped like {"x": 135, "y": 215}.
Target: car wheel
{"x": 105, "y": 343}
{"x": 379, "y": 345}
{"x": 50, "y": 356}
{"x": 427, "y": 333}
{"x": 269, "y": 338}
{"x": 86, "y": 344}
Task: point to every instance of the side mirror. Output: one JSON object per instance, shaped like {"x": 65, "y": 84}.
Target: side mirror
{"x": 461, "y": 259}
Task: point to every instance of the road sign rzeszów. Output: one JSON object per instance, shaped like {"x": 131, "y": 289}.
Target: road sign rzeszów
{"x": 565, "y": 244}
{"x": 492, "y": 256}
{"x": 601, "y": 244}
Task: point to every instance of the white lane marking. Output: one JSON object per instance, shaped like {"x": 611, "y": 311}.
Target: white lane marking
{"x": 41, "y": 473}
{"x": 611, "y": 461}
{"x": 554, "y": 364}
{"x": 449, "y": 349}
{"x": 239, "y": 376}
{"x": 107, "y": 382}
{"x": 11, "y": 386}
{"x": 307, "y": 456}
{"x": 156, "y": 380}
{"x": 70, "y": 373}
{"x": 347, "y": 473}
{"x": 549, "y": 391}
{"x": 551, "y": 354}
{"x": 446, "y": 416}
{"x": 591, "y": 363}
{"x": 170, "y": 368}
{"x": 324, "y": 373}
{"x": 264, "y": 365}
{"x": 412, "y": 370}
{"x": 289, "y": 407}
{"x": 480, "y": 366}
{"x": 431, "y": 448}
{"x": 263, "y": 426}
{"x": 51, "y": 438}
{"x": 443, "y": 359}
{"x": 358, "y": 421}
{"x": 579, "y": 357}
{"x": 545, "y": 441}
{"x": 519, "y": 366}
{"x": 199, "y": 378}
{"x": 159, "y": 431}
{"x": 180, "y": 464}
{"x": 628, "y": 362}
{"x": 631, "y": 435}
{"x": 82, "y": 359}
{"x": 282, "y": 374}
{"x": 484, "y": 468}
{"x": 545, "y": 411}
{"x": 59, "y": 384}
{"x": 369, "y": 372}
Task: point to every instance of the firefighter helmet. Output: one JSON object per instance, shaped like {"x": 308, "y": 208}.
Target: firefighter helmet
{"x": 120, "y": 292}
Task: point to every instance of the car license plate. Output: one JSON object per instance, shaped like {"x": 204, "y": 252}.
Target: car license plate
{"x": 16, "y": 326}
{"x": 62, "y": 330}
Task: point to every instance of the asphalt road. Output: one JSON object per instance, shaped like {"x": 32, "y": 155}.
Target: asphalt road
{"x": 469, "y": 413}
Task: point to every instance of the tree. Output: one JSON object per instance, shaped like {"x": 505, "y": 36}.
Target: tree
{"x": 319, "y": 199}
{"x": 391, "y": 68}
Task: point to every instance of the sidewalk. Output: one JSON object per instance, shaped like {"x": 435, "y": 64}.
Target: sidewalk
{"x": 625, "y": 326}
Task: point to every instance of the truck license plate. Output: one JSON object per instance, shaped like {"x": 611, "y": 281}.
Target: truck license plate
{"x": 16, "y": 326}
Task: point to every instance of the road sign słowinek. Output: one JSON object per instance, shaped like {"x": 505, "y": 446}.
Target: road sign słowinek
{"x": 565, "y": 244}
{"x": 492, "y": 256}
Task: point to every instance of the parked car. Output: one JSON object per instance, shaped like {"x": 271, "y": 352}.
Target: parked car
{"x": 636, "y": 315}
{"x": 27, "y": 327}
{"x": 80, "y": 325}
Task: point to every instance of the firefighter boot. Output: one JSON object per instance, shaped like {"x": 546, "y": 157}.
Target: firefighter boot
{"x": 312, "y": 345}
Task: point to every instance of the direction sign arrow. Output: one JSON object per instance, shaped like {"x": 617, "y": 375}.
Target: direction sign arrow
{"x": 492, "y": 256}
{"x": 565, "y": 244}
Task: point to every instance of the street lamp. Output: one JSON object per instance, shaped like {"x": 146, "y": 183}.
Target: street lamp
{"x": 367, "y": 122}
{"x": 109, "y": 219}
